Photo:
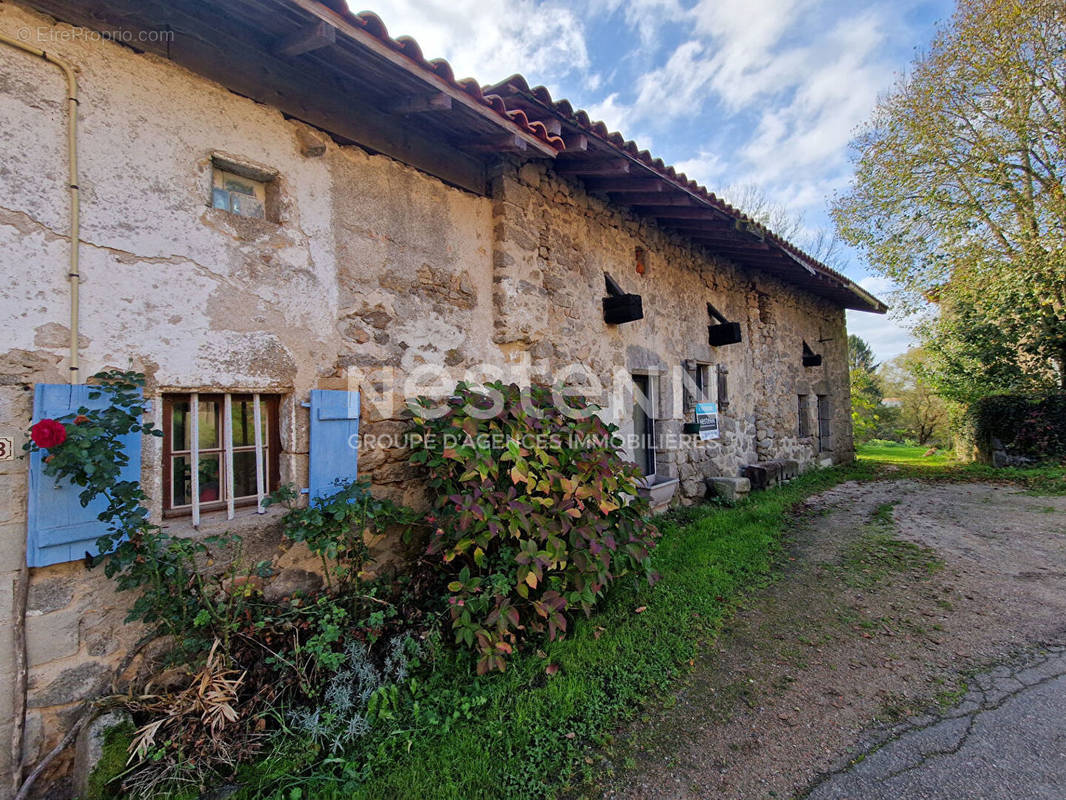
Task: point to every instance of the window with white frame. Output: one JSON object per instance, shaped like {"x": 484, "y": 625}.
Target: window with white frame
{"x": 234, "y": 441}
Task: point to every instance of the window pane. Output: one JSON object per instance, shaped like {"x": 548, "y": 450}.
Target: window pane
{"x": 244, "y": 473}
{"x": 233, "y": 184}
{"x": 181, "y": 480}
{"x": 209, "y": 418}
{"x": 642, "y": 452}
{"x": 179, "y": 435}
{"x": 244, "y": 422}
{"x": 181, "y": 430}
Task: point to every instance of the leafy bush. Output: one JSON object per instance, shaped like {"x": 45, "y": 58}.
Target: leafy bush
{"x": 537, "y": 514}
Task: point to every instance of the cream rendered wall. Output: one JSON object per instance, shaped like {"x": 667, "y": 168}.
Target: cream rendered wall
{"x": 195, "y": 297}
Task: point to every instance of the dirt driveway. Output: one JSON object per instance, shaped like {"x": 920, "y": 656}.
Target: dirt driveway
{"x": 895, "y": 595}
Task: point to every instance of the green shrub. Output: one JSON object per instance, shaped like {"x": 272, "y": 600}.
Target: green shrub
{"x": 1031, "y": 426}
{"x": 537, "y": 514}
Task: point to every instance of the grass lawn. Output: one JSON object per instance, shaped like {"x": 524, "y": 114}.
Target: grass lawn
{"x": 451, "y": 735}
{"x": 893, "y": 453}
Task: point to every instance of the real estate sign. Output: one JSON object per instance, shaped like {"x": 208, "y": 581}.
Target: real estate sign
{"x": 707, "y": 417}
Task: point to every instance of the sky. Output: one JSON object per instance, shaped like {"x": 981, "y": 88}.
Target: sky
{"x": 764, "y": 93}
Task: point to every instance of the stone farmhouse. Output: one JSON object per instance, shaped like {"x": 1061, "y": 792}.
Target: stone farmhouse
{"x": 275, "y": 208}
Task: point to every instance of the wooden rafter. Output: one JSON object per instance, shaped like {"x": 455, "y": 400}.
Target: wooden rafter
{"x": 312, "y": 37}
{"x": 420, "y": 104}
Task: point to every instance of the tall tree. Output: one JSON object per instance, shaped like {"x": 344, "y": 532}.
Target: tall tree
{"x": 958, "y": 191}
{"x": 860, "y": 354}
{"x": 865, "y": 389}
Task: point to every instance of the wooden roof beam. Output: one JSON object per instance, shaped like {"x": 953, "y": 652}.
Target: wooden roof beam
{"x": 730, "y": 245}
{"x": 420, "y": 104}
{"x": 372, "y": 44}
{"x": 505, "y": 143}
{"x": 312, "y": 37}
{"x": 575, "y": 143}
{"x": 592, "y": 166}
{"x": 621, "y": 185}
{"x": 668, "y": 212}
{"x": 657, "y": 199}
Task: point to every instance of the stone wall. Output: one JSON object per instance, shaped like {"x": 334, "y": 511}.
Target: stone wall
{"x": 554, "y": 242}
{"x": 369, "y": 265}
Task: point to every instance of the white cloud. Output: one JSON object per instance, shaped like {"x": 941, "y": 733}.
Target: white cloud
{"x": 646, "y": 17}
{"x": 611, "y": 112}
{"x": 886, "y": 337}
{"x": 801, "y": 85}
{"x": 707, "y": 168}
{"x": 493, "y": 39}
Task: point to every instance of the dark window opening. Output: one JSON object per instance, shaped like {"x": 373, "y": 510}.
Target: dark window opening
{"x": 644, "y": 423}
{"x": 804, "y": 416}
{"x": 824, "y": 438}
{"x": 697, "y": 387}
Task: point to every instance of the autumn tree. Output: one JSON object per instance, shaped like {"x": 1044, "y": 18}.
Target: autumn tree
{"x": 958, "y": 194}
{"x": 822, "y": 244}
{"x": 923, "y": 413}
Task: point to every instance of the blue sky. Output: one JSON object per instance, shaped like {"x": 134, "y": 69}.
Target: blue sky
{"x": 735, "y": 93}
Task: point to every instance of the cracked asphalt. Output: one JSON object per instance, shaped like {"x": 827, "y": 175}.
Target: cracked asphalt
{"x": 1006, "y": 739}
{"x": 894, "y": 597}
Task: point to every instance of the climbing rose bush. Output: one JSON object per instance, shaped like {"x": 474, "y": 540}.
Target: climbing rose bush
{"x": 537, "y": 514}
{"x": 48, "y": 433}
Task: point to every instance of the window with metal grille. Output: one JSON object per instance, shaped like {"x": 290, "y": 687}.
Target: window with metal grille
{"x": 697, "y": 388}
{"x": 804, "y": 410}
{"x": 825, "y": 441}
{"x": 234, "y": 441}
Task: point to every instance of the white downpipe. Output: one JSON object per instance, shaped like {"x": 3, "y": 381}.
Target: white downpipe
{"x": 75, "y": 200}
{"x": 22, "y": 586}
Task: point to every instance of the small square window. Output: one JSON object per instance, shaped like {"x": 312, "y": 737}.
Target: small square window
{"x": 238, "y": 194}
{"x": 244, "y": 188}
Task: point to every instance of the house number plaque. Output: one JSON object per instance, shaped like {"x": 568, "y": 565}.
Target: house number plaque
{"x": 7, "y": 449}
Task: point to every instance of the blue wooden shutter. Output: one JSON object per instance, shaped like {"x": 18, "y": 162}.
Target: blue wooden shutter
{"x": 59, "y": 527}
{"x": 334, "y": 441}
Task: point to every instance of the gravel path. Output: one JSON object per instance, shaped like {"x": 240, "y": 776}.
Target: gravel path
{"x": 893, "y": 594}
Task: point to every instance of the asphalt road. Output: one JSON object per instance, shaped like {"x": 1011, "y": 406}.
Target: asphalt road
{"x": 1006, "y": 740}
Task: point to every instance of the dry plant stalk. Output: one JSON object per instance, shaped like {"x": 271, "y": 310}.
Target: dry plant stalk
{"x": 212, "y": 696}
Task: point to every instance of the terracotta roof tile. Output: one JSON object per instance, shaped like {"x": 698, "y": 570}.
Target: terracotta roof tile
{"x": 495, "y": 99}
{"x": 580, "y": 117}
{"x": 372, "y": 24}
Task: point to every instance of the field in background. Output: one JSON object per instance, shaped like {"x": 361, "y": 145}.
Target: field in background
{"x": 896, "y": 453}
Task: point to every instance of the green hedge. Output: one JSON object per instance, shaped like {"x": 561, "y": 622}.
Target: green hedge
{"x": 1033, "y": 427}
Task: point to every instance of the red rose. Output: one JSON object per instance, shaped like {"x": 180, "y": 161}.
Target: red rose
{"x": 78, "y": 420}
{"x": 48, "y": 433}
